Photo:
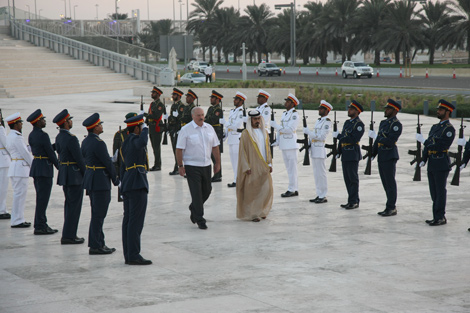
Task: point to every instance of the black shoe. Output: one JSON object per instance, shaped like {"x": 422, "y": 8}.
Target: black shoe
{"x": 22, "y": 225}
{"x": 382, "y": 212}
{"x": 352, "y": 206}
{"x": 103, "y": 250}
{"x": 344, "y": 206}
{"x": 5, "y": 216}
{"x": 216, "y": 180}
{"x": 256, "y": 220}
{"x": 290, "y": 194}
{"x": 321, "y": 200}
{"x": 73, "y": 241}
{"x": 389, "y": 212}
{"x": 141, "y": 261}
{"x": 429, "y": 221}
{"x": 174, "y": 173}
{"x": 46, "y": 231}
{"x": 438, "y": 222}
{"x": 106, "y": 247}
{"x": 469, "y": 229}
{"x": 314, "y": 200}
{"x": 202, "y": 225}
{"x": 155, "y": 168}
{"x": 232, "y": 185}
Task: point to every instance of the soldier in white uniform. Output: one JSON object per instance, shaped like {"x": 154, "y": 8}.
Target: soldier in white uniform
{"x": 318, "y": 151}
{"x": 264, "y": 108}
{"x": 287, "y": 140}
{"x": 21, "y": 160}
{"x": 4, "y": 165}
{"x": 234, "y": 123}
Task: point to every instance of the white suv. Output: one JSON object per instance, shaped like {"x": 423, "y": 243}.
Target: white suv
{"x": 356, "y": 69}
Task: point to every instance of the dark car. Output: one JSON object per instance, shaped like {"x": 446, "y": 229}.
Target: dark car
{"x": 269, "y": 69}
{"x": 386, "y": 60}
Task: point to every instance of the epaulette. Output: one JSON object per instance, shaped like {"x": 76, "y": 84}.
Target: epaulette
{"x": 18, "y": 134}
{"x": 328, "y": 119}
{"x": 99, "y": 139}
{"x": 295, "y": 110}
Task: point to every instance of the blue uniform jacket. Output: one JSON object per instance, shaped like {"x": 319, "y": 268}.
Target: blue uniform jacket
{"x": 437, "y": 145}
{"x": 385, "y": 144}
{"x": 99, "y": 167}
{"x": 349, "y": 139}
{"x": 133, "y": 172}
{"x": 71, "y": 164}
{"x": 44, "y": 155}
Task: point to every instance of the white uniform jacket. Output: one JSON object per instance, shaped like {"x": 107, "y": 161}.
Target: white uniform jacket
{"x": 21, "y": 158}
{"x": 318, "y": 136}
{"x": 235, "y": 121}
{"x": 287, "y": 134}
{"x": 5, "y": 159}
{"x": 265, "y": 111}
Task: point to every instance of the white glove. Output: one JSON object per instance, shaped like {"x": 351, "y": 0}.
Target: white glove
{"x": 221, "y": 121}
{"x": 306, "y": 131}
{"x": 274, "y": 144}
{"x": 372, "y": 159}
{"x": 420, "y": 138}
{"x": 119, "y": 186}
{"x": 422, "y": 163}
{"x": 463, "y": 166}
{"x": 461, "y": 142}
{"x": 372, "y": 134}
{"x": 338, "y": 156}
{"x": 165, "y": 117}
{"x": 335, "y": 134}
{"x": 141, "y": 112}
{"x": 245, "y": 119}
{"x": 275, "y": 125}
{"x": 174, "y": 113}
{"x": 144, "y": 125}
{"x": 114, "y": 158}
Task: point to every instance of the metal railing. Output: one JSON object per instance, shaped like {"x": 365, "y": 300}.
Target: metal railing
{"x": 82, "y": 51}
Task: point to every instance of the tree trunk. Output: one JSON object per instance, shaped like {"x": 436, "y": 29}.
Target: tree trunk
{"x": 211, "y": 61}
{"x": 377, "y": 57}
{"x": 235, "y": 57}
{"x": 259, "y": 56}
{"x": 219, "y": 58}
{"x": 204, "y": 53}
{"x": 397, "y": 56}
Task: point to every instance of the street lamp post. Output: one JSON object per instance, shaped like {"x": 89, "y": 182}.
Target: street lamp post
{"x": 117, "y": 26}
{"x": 292, "y": 29}
{"x": 74, "y": 11}
{"x": 65, "y": 8}
{"x": 40, "y": 13}
{"x": 29, "y": 12}
{"x": 35, "y": 10}
{"x": 148, "y": 11}
{"x": 181, "y": 14}
{"x": 97, "y": 5}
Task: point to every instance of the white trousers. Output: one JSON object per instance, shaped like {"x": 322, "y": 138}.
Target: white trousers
{"x": 319, "y": 173}
{"x": 290, "y": 161}
{"x": 20, "y": 188}
{"x": 233, "y": 150}
{"x": 3, "y": 189}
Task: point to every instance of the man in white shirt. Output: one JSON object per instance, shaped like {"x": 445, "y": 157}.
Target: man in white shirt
{"x": 4, "y": 166}
{"x": 287, "y": 140}
{"x": 235, "y": 122}
{"x": 318, "y": 151}
{"x": 21, "y": 160}
{"x": 196, "y": 141}
{"x": 208, "y": 73}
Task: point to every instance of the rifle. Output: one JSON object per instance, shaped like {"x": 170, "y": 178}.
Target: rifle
{"x": 369, "y": 148}
{"x": 165, "y": 125}
{"x": 239, "y": 130}
{"x": 119, "y": 167}
{"x": 417, "y": 154}
{"x": 272, "y": 138}
{"x": 1, "y": 119}
{"x": 305, "y": 141}
{"x": 458, "y": 158}
{"x": 333, "y": 147}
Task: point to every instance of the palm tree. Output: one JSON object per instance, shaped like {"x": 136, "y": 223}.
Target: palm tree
{"x": 280, "y": 40}
{"x": 150, "y": 35}
{"x": 222, "y": 25}
{"x": 460, "y": 34}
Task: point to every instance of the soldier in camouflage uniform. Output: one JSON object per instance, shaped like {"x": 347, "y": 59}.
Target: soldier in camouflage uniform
{"x": 174, "y": 122}
{"x": 156, "y": 114}
{"x": 213, "y": 117}
{"x": 119, "y": 138}
{"x": 190, "y": 98}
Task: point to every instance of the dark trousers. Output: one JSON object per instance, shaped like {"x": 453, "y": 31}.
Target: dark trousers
{"x": 199, "y": 182}
{"x": 351, "y": 179}
{"x": 174, "y": 139}
{"x": 135, "y": 206}
{"x": 43, "y": 186}
{"x": 219, "y": 173}
{"x": 387, "y": 172}
{"x": 156, "y": 140}
{"x": 99, "y": 209}
{"x": 72, "y": 209}
{"x": 437, "y": 188}
{"x": 208, "y": 78}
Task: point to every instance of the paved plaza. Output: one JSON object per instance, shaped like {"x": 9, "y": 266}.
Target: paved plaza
{"x": 304, "y": 257}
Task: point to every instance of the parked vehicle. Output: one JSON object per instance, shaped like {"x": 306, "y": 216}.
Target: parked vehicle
{"x": 386, "y": 60}
{"x": 190, "y": 65}
{"x": 269, "y": 69}
{"x": 193, "y": 78}
{"x": 200, "y": 66}
{"x": 356, "y": 69}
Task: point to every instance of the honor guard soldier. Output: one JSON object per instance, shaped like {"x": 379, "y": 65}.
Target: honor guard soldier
{"x": 174, "y": 122}
{"x": 21, "y": 160}
{"x": 135, "y": 189}
{"x": 97, "y": 182}
{"x": 385, "y": 146}
{"x": 213, "y": 117}
{"x": 435, "y": 150}
{"x": 70, "y": 176}
{"x": 264, "y": 109}
{"x": 287, "y": 140}
{"x": 318, "y": 151}
{"x": 186, "y": 116}
{"x": 235, "y": 122}
{"x": 5, "y": 161}
{"x": 350, "y": 152}
{"x": 41, "y": 170}
{"x": 119, "y": 138}
{"x": 156, "y": 115}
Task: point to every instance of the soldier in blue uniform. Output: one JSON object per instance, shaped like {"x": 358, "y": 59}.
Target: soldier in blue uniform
{"x": 41, "y": 170}
{"x": 385, "y": 146}
{"x": 349, "y": 150}
{"x": 70, "y": 177}
{"x": 99, "y": 173}
{"x": 135, "y": 189}
{"x": 435, "y": 150}
{"x": 466, "y": 157}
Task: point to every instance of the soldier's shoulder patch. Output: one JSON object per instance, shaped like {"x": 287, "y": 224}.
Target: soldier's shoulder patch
{"x": 217, "y": 113}
{"x": 160, "y": 108}
{"x": 359, "y": 128}
{"x": 396, "y": 128}
{"x": 266, "y": 112}
{"x": 294, "y": 117}
{"x": 327, "y": 127}
{"x": 241, "y": 115}
{"x": 449, "y": 134}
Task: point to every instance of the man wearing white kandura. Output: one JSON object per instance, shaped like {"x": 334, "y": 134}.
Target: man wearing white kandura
{"x": 318, "y": 151}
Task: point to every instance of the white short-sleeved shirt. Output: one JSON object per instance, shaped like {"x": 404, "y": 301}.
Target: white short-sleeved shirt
{"x": 197, "y": 143}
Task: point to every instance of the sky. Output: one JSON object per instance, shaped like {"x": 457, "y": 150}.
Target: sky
{"x": 159, "y": 9}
